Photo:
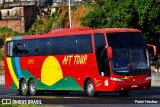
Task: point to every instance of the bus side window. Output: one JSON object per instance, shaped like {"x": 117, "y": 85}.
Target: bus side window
{"x": 57, "y": 45}
{"x": 43, "y": 46}
{"x": 101, "y": 54}
{"x": 71, "y": 46}
{"x": 84, "y": 44}
{"x": 18, "y": 48}
{"x": 75, "y": 44}
{"x": 9, "y": 48}
{"x": 30, "y": 47}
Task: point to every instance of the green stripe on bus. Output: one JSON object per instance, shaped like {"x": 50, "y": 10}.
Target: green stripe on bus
{"x": 13, "y": 86}
{"x": 14, "y": 67}
{"x": 67, "y": 83}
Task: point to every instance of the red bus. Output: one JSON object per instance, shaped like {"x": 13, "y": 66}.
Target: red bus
{"x": 81, "y": 59}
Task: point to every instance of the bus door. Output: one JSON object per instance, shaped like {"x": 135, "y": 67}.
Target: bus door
{"x": 101, "y": 55}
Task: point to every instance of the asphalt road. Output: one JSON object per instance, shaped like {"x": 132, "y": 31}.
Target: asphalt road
{"x": 138, "y": 98}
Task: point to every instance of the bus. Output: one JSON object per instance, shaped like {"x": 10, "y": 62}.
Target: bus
{"x": 78, "y": 59}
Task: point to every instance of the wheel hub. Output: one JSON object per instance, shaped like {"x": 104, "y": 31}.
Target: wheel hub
{"x": 32, "y": 88}
{"x": 90, "y": 88}
{"x": 24, "y": 87}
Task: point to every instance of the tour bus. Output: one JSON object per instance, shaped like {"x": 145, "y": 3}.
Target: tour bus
{"x": 78, "y": 59}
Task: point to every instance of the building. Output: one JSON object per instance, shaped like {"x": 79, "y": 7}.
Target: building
{"x": 19, "y": 14}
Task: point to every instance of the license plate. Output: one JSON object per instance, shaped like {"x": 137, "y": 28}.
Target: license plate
{"x": 134, "y": 86}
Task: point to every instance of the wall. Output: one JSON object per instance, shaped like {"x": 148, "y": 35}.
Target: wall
{"x": 16, "y": 25}
{"x": 18, "y": 18}
{"x": 155, "y": 79}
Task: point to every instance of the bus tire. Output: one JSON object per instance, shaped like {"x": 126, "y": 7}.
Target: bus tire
{"x": 124, "y": 93}
{"x": 90, "y": 88}
{"x": 23, "y": 87}
{"x": 32, "y": 87}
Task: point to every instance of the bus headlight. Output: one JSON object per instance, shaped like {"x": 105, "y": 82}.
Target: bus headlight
{"x": 116, "y": 79}
{"x": 148, "y": 78}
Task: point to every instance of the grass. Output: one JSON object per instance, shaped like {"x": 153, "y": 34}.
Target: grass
{"x": 1, "y": 61}
{"x": 17, "y": 105}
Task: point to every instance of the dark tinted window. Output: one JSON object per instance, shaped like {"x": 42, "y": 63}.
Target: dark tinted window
{"x": 58, "y": 45}
{"x": 84, "y": 44}
{"x": 30, "y": 47}
{"x": 18, "y": 48}
{"x": 71, "y": 44}
{"x": 99, "y": 42}
{"x": 126, "y": 39}
{"x": 43, "y": 46}
{"x": 21, "y": 48}
{"x": 48, "y": 46}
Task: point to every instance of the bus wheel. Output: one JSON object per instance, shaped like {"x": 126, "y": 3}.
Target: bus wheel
{"x": 124, "y": 93}
{"x": 90, "y": 88}
{"x": 23, "y": 87}
{"x": 32, "y": 87}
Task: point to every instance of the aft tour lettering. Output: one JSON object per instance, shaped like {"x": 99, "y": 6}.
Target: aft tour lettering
{"x": 75, "y": 59}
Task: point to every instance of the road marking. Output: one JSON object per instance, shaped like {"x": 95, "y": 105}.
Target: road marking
{"x": 73, "y": 97}
{"x": 10, "y": 95}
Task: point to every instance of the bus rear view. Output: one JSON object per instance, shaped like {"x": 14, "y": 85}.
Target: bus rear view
{"x": 130, "y": 69}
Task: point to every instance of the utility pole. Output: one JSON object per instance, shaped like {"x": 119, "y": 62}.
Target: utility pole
{"x": 70, "y": 20}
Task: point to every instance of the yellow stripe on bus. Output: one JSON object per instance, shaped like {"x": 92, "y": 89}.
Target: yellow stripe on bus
{"x": 13, "y": 75}
{"x": 8, "y": 39}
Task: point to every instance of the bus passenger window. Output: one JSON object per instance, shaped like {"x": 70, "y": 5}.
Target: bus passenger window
{"x": 43, "y": 46}
{"x": 30, "y": 47}
{"x": 10, "y": 49}
{"x": 57, "y": 45}
{"x": 71, "y": 46}
{"x": 18, "y": 48}
{"x": 84, "y": 44}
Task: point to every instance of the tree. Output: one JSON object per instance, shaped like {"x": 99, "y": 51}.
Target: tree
{"x": 139, "y": 14}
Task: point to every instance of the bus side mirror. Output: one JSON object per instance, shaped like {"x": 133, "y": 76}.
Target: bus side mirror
{"x": 154, "y": 49}
{"x": 109, "y": 52}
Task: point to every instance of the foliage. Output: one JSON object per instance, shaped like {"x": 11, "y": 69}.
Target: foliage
{"x": 48, "y": 25}
{"x": 1, "y": 53}
{"x": 5, "y": 32}
{"x": 45, "y": 25}
{"x": 59, "y": 23}
{"x": 137, "y": 14}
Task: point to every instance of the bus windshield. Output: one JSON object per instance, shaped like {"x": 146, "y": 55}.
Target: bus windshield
{"x": 130, "y": 61}
{"x": 130, "y": 56}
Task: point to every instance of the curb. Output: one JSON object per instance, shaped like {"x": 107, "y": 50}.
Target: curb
{"x": 1, "y": 79}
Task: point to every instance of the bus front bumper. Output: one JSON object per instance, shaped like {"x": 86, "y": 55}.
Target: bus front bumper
{"x": 120, "y": 86}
